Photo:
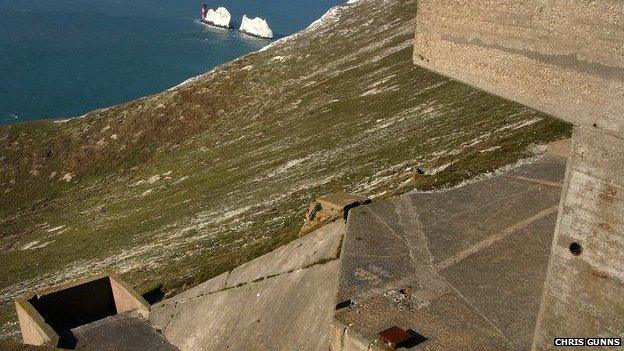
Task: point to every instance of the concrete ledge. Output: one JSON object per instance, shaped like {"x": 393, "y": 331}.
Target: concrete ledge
{"x": 283, "y": 300}
{"x": 321, "y": 245}
{"x": 329, "y": 208}
{"x": 445, "y": 265}
{"x": 290, "y": 311}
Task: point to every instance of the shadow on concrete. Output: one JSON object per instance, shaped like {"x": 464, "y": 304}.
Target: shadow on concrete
{"x": 415, "y": 339}
{"x": 67, "y": 340}
{"x": 154, "y": 295}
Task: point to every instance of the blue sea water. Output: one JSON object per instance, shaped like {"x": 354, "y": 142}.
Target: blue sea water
{"x": 63, "y": 58}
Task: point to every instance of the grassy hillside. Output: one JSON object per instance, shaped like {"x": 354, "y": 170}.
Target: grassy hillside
{"x": 180, "y": 186}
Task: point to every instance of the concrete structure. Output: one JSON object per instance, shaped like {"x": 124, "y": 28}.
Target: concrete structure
{"x": 444, "y": 266}
{"x": 281, "y": 301}
{"x": 565, "y": 58}
{"x": 126, "y": 331}
{"x": 461, "y": 269}
{"x": 50, "y": 317}
{"x": 35, "y": 331}
{"x": 562, "y": 57}
{"x": 584, "y": 293}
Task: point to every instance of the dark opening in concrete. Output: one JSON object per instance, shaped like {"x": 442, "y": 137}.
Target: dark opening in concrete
{"x": 66, "y": 309}
{"x": 49, "y": 317}
{"x": 348, "y": 207}
{"x": 415, "y": 339}
{"x": 576, "y": 249}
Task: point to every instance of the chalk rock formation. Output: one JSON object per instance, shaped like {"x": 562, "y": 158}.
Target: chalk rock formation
{"x": 220, "y": 18}
{"x": 256, "y": 27}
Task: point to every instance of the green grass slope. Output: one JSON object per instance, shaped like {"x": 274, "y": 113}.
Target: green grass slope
{"x": 177, "y": 187}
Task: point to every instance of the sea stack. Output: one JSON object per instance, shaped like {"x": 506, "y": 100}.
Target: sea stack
{"x": 256, "y": 27}
{"x": 220, "y": 17}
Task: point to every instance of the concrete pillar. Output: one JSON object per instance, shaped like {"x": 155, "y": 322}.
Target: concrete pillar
{"x": 584, "y": 291}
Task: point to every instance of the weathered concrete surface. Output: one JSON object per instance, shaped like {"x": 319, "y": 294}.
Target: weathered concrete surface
{"x": 515, "y": 293}
{"x": 122, "y": 332}
{"x": 560, "y": 148}
{"x": 458, "y": 257}
{"x": 291, "y": 311}
{"x": 126, "y": 298}
{"x": 281, "y": 301}
{"x": 564, "y": 57}
{"x": 34, "y": 329}
{"x": 321, "y": 245}
{"x": 208, "y": 287}
{"x": 584, "y": 295}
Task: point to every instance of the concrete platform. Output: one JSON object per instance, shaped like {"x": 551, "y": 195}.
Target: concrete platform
{"x": 122, "y": 332}
{"x": 464, "y": 267}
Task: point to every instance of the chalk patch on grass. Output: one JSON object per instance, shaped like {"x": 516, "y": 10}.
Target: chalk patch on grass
{"x": 34, "y": 245}
{"x": 490, "y": 149}
{"x": 55, "y": 228}
{"x": 68, "y": 177}
{"x": 147, "y": 192}
{"x": 154, "y": 179}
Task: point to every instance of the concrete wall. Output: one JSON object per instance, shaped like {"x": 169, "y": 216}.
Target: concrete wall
{"x": 45, "y": 315}
{"x": 126, "y": 299}
{"x": 283, "y": 300}
{"x": 77, "y": 303}
{"x": 564, "y": 57}
{"x": 584, "y": 294}
{"x": 34, "y": 329}
{"x": 345, "y": 338}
